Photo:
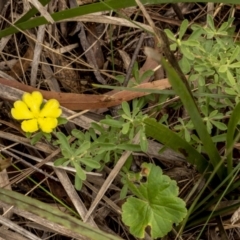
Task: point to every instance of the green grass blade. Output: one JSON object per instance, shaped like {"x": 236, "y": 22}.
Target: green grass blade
{"x": 186, "y": 97}
{"x": 171, "y": 140}
{"x": 54, "y": 215}
{"x": 215, "y": 202}
{"x": 31, "y": 12}
{"x": 213, "y": 197}
{"x": 230, "y": 138}
{"x": 90, "y": 8}
{"x": 205, "y": 218}
{"x": 69, "y": 13}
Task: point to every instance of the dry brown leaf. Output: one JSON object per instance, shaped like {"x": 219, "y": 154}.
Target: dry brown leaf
{"x": 75, "y": 101}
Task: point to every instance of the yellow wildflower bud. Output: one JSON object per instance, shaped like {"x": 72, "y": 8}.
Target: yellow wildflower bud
{"x": 51, "y": 109}
{"x": 30, "y": 125}
{"x": 21, "y": 111}
{"x": 47, "y": 124}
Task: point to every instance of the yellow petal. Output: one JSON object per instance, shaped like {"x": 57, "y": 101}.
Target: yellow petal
{"x": 51, "y": 109}
{"x": 33, "y": 101}
{"x": 30, "y": 125}
{"x": 21, "y": 111}
{"x": 47, "y": 124}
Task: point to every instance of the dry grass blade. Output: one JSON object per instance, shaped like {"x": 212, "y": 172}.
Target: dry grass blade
{"x": 44, "y": 222}
{"x": 13, "y": 226}
{"x": 235, "y": 217}
{"x": 42, "y": 10}
{"x": 37, "y": 54}
{"x": 90, "y": 54}
{"x": 71, "y": 191}
{"x": 9, "y": 234}
{"x": 4, "y": 182}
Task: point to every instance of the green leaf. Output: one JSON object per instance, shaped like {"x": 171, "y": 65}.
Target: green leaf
{"x": 78, "y": 134}
{"x": 234, "y": 56}
{"x": 173, "y": 47}
{"x": 98, "y": 127}
{"x": 36, "y": 138}
{"x": 191, "y": 43}
{"x": 62, "y": 120}
{"x": 48, "y": 136}
{"x": 64, "y": 142}
{"x": 187, "y": 135}
{"x": 146, "y": 74}
{"x": 106, "y": 146}
{"x": 129, "y": 147}
{"x": 170, "y": 35}
{"x": 90, "y": 162}
{"x": 157, "y": 205}
{"x": 230, "y": 91}
{"x": 123, "y": 192}
{"x": 92, "y": 134}
{"x": 185, "y": 65}
{"x": 78, "y": 183}
{"x": 120, "y": 78}
{"x": 210, "y": 22}
{"x": 126, "y": 109}
{"x": 187, "y": 52}
{"x": 183, "y": 28}
{"x": 219, "y": 138}
{"x": 28, "y": 134}
{"x": 231, "y": 79}
{"x": 223, "y": 68}
{"x": 81, "y": 174}
{"x": 125, "y": 127}
{"x": 235, "y": 65}
{"x": 84, "y": 147}
{"x": 143, "y": 141}
{"x": 159, "y": 132}
{"x": 219, "y": 125}
{"x": 196, "y": 34}
{"x": 60, "y": 161}
{"x": 136, "y": 72}
{"x": 213, "y": 113}
{"x": 223, "y": 27}
{"x": 112, "y": 123}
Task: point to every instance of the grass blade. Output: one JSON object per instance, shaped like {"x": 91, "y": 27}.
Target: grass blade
{"x": 87, "y": 9}
{"x": 54, "y": 215}
{"x": 186, "y": 97}
{"x": 32, "y": 12}
{"x": 230, "y": 139}
{"x": 171, "y": 140}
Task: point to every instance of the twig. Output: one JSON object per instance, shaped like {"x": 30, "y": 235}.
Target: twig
{"x": 135, "y": 54}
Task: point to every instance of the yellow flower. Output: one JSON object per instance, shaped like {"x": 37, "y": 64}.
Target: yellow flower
{"x": 33, "y": 101}
{"x": 51, "y": 109}
{"x": 47, "y": 124}
{"x": 30, "y": 125}
{"x": 35, "y": 117}
{"x": 21, "y": 111}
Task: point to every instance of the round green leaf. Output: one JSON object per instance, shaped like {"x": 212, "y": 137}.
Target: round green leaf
{"x": 157, "y": 205}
